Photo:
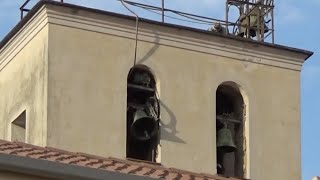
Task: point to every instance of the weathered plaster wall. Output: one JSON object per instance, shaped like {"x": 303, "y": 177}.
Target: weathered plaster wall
{"x": 87, "y": 88}
{"x": 23, "y": 78}
{"x": 88, "y": 67}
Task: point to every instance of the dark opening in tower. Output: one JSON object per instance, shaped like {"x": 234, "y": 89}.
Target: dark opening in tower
{"x": 230, "y": 111}
{"x": 143, "y": 112}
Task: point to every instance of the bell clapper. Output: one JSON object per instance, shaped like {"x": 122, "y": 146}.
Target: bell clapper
{"x": 146, "y": 134}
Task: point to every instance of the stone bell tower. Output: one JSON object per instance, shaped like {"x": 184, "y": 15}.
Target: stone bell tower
{"x": 194, "y": 100}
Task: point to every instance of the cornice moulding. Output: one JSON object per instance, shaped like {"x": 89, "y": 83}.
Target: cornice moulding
{"x": 162, "y": 35}
{"x": 23, "y": 37}
{"x": 158, "y": 34}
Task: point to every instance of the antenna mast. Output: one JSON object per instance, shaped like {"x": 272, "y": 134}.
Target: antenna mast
{"x": 256, "y": 19}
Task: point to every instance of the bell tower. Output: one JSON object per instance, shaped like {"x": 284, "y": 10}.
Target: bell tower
{"x": 229, "y": 98}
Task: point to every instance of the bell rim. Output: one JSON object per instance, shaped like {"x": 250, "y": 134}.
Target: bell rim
{"x": 140, "y": 138}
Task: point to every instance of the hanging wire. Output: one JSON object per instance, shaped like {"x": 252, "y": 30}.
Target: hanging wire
{"x": 141, "y": 5}
{"x": 137, "y": 31}
{"x": 179, "y": 19}
{"x": 189, "y": 17}
{"x": 194, "y": 18}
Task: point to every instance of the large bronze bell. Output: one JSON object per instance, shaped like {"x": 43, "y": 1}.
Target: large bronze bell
{"x": 143, "y": 127}
{"x": 225, "y": 141}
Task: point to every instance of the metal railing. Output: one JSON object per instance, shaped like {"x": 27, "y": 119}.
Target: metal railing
{"x": 197, "y": 19}
{"x": 23, "y": 8}
{"x": 226, "y": 24}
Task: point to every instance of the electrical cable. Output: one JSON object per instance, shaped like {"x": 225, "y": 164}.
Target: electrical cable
{"x": 171, "y": 17}
{"x": 153, "y": 9}
{"x": 137, "y": 31}
{"x": 185, "y": 15}
{"x": 142, "y": 6}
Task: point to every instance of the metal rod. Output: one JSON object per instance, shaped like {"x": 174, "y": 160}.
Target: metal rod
{"x": 262, "y": 24}
{"x": 258, "y": 32}
{"x": 249, "y": 18}
{"x": 227, "y": 18}
{"x": 272, "y": 17}
{"x": 22, "y": 9}
{"x": 268, "y": 35}
{"x": 24, "y": 4}
{"x": 163, "y": 11}
{"x": 232, "y": 120}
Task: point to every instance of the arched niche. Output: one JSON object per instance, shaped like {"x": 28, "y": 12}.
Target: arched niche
{"x": 140, "y": 69}
{"x": 230, "y": 114}
{"x": 143, "y": 112}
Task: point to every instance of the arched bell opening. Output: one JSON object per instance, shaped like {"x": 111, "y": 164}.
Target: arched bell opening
{"x": 230, "y": 109}
{"x": 143, "y": 112}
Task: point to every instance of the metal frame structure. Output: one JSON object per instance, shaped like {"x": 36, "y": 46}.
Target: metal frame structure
{"x": 249, "y": 10}
{"x": 246, "y": 7}
{"x": 23, "y": 8}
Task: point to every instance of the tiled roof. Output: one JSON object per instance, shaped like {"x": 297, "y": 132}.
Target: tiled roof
{"x": 152, "y": 170}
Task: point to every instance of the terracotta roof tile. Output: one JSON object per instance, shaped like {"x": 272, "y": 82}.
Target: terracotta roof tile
{"x": 142, "y": 171}
{"x": 136, "y": 167}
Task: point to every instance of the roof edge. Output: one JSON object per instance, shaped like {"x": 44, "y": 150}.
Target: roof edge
{"x": 13, "y": 158}
{"x": 21, "y": 23}
{"x": 48, "y": 169}
{"x": 35, "y": 9}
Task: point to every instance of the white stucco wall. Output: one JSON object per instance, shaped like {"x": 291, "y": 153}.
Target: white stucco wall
{"x": 23, "y": 77}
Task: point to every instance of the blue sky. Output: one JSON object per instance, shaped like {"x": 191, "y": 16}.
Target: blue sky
{"x": 296, "y": 26}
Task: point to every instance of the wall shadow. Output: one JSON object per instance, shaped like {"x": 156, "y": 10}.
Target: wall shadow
{"x": 169, "y": 131}
{"x": 152, "y": 50}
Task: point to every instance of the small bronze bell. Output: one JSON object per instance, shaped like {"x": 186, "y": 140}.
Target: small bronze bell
{"x": 143, "y": 127}
{"x": 225, "y": 141}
